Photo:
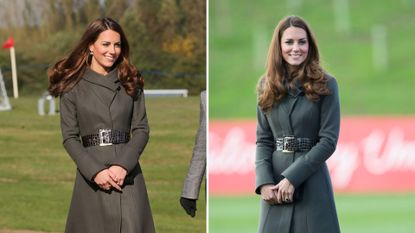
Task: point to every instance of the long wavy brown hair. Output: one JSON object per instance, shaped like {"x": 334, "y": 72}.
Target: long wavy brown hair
{"x": 271, "y": 86}
{"x": 67, "y": 72}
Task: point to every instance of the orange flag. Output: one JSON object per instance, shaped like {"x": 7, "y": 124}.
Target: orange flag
{"x": 9, "y": 43}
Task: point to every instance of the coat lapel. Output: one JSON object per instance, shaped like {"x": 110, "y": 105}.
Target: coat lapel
{"x": 294, "y": 96}
{"x": 105, "y": 87}
{"x": 283, "y": 116}
{"x": 287, "y": 106}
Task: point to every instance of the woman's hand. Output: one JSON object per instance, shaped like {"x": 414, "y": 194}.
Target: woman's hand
{"x": 117, "y": 174}
{"x": 268, "y": 194}
{"x": 104, "y": 180}
{"x": 284, "y": 191}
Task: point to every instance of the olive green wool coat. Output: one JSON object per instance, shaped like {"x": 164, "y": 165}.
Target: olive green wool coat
{"x": 297, "y": 116}
{"x": 100, "y": 102}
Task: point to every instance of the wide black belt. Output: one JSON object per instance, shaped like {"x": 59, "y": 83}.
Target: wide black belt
{"x": 291, "y": 144}
{"x": 105, "y": 137}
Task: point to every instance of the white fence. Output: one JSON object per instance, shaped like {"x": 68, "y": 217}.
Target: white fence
{"x": 166, "y": 92}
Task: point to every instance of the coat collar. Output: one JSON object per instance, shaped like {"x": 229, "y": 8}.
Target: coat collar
{"x": 109, "y": 81}
{"x": 287, "y": 105}
{"x": 296, "y": 90}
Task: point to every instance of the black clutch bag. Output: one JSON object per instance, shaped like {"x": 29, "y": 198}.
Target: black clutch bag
{"x": 298, "y": 193}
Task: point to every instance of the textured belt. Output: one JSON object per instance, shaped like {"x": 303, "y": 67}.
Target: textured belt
{"x": 105, "y": 137}
{"x": 291, "y": 144}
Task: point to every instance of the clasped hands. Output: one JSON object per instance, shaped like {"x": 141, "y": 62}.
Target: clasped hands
{"x": 113, "y": 176}
{"x": 281, "y": 193}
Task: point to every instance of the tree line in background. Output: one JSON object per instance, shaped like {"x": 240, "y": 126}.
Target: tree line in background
{"x": 167, "y": 38}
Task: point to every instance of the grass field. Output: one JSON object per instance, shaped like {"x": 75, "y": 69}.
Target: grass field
{"x": 240, "y": 32}
{"x": 36, "y": 174}
{"x": 364, "y": 213}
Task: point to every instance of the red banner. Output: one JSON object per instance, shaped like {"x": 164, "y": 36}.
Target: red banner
{"x": 374, "y": 154}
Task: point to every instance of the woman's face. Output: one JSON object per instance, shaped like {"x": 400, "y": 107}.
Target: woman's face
{"x": 106, "y": 50}
{"x": 294, "y": 45}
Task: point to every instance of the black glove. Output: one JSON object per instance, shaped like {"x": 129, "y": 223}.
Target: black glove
{"x": 189, "y": 205}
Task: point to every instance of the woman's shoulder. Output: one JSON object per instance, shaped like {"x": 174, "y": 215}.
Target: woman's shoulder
{"x": 329, "y": 76}
{"x": 73, "y": 91}
{"x": 261, "y": 84}
{"x": 331, "y": 82}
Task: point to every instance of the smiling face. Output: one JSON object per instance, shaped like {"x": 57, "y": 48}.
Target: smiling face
{"x": 106, "y": 50}
{"x": 294, "y": 46}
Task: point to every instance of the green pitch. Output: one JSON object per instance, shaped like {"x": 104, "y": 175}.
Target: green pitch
{"x": 363, "y": 213}
{"x": 36, "y": 174}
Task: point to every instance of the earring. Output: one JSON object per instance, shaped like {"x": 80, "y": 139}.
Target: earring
{"x": 89, "y": 57}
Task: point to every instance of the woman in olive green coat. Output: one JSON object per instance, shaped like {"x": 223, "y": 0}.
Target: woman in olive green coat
{"x": 298, "y": 121}
{"x": 105, "y": 130}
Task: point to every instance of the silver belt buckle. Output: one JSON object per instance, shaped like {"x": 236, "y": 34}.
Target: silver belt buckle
{"x": 104, "y": 137}
{"x": 285, "y": 144}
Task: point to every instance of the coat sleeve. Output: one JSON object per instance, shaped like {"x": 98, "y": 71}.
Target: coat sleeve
{"x": 128, "y": 157}
{"x": 87, "y": 165}
{"x": 328, "y": 135}
{"x": 264, "y": 149}
{"x": 191, "y": 186}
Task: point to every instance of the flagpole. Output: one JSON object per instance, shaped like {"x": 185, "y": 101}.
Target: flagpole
{"x": 9, "y": 44}
{"x": 14, "y": 73}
